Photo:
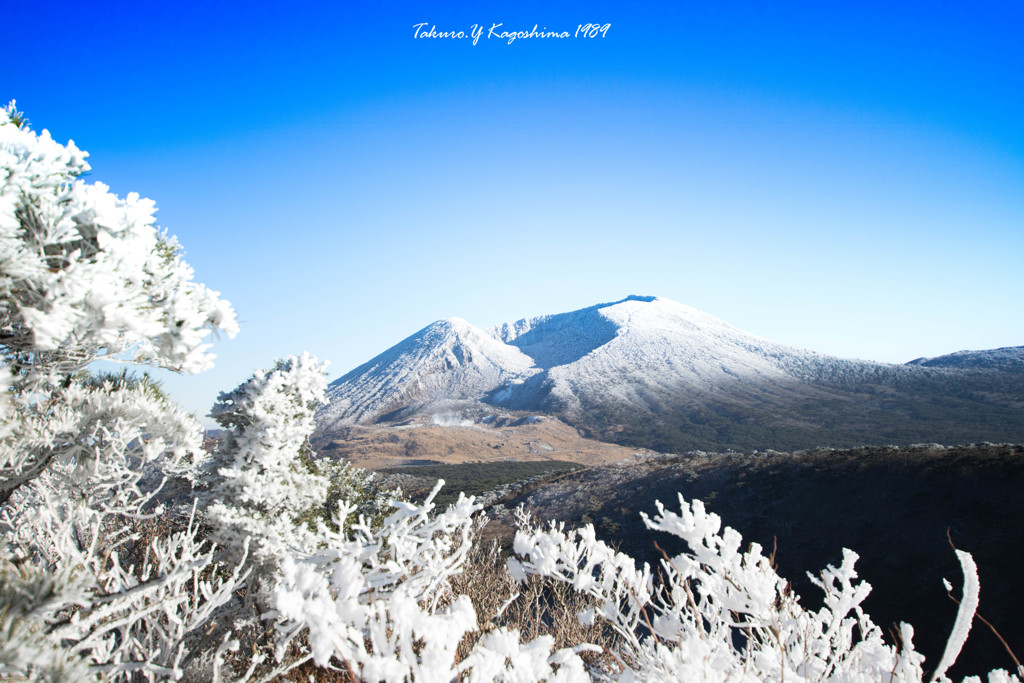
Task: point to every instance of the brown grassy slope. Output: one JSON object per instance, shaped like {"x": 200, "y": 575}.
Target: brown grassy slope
{"x": 381, "y": 446}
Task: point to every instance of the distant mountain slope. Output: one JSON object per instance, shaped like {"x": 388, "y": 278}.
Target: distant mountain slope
{"x": 644, "y": 352}
{"x": 449, "y": 359}
{"x": 1009, "y": 359}
{"x": 651, "y": 372}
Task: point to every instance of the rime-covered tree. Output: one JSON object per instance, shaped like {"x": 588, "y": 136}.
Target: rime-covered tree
{"x": 85, "y": 275}
{"x": 262, "y": 482}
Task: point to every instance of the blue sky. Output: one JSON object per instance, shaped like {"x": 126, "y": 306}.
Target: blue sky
{"x": 848, "y": 179}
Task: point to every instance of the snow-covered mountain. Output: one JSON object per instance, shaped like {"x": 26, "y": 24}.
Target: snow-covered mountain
{"x": 640, "y": 351}
{"x": 447, "y": 360}
{"x": 629, "y": 347}
{"x": 663, "y": 374}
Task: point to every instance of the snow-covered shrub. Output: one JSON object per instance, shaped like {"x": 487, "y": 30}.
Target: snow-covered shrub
{"x": 84, "y": 275}
{"x": 377, "y": 603}
{"x": 717, "y": 613}
{"x": 536, "y": 607}
{"x": 347, "y": 586}
{"x": 262, "y": 483}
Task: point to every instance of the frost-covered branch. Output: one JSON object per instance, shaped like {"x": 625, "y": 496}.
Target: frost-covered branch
{"x": 719, "y": 613}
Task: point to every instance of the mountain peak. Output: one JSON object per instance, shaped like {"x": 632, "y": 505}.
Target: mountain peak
{"x": 633, "y": 297}
{"x": 449, "y": 359}
{"x": 458, "y": 324}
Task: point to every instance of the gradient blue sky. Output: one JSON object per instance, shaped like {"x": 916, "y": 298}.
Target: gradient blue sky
{"x": 845, "y": 178}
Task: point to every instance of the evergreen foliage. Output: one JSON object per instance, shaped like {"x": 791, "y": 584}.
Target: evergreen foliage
{"x": 85, "y": 275}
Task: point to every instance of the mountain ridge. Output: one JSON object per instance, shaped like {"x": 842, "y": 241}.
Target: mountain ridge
{"x": 659, "y": 374}
{"x": 1009, "y": 358}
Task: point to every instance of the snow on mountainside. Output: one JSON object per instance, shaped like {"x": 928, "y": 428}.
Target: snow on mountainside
{"x": 631, "y": 350}
{"x": 655, "y": 373}
{"x": 449, "y": 359}
{"x": 1010, "y": 358}
{"x": 635, "y": 351}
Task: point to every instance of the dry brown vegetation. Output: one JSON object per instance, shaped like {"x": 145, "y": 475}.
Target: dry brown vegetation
{"x": 419, "y": 443}
{"x": 536, "y": 608}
